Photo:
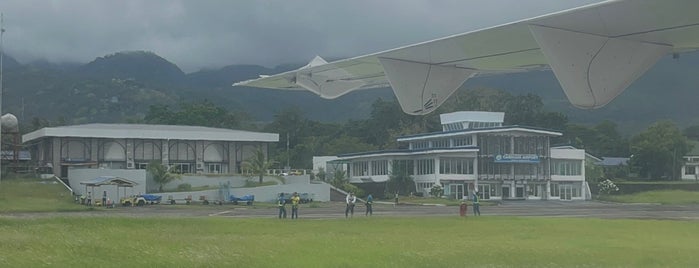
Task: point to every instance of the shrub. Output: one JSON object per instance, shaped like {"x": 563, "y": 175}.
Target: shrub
{"x": 607, "y": 187}
{"x": 436, "y": 190}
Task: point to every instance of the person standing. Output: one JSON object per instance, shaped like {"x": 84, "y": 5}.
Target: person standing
{"x": 395, "y": 200}
{"x": 476, "y": 204}
{"x": 295, "y": 199}
{"x": 351, "y": 200}
{"x": 369, "y": 202}
{"x": 281, "y": 202}
{"x": 104, "y": 198}
{"x": 89, "y": 198}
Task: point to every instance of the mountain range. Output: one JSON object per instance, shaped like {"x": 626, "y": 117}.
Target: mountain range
{"x": 120, "y": 87}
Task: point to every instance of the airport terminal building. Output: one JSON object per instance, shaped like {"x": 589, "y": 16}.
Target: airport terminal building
{"x": 474, "y": 151}
{"x": 192, "y": 149}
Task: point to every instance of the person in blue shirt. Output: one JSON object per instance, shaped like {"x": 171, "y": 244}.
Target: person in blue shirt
{"x": 476, "y": 204}
{"x": 281, "y": 202}
{"x": 369, "y": 202}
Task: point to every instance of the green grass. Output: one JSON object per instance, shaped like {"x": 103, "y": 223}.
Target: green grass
{"x": 359, "y": 242}
{"x": 34, "y": 195}
{"x": 673, "y": 197}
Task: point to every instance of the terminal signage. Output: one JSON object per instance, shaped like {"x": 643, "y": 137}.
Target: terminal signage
{"x": 517, "y": 158}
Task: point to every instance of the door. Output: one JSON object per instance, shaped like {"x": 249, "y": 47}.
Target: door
{"x": 566, "y": 191}
{"x": 456, "y": 190}
{"x": 519, "y": 192}
{"x": 505, "y": 192}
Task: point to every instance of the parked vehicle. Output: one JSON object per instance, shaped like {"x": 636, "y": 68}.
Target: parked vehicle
{"x": 248, "y": 199}
{"x": 140, "y": 200}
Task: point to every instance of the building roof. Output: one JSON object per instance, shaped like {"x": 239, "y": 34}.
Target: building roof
{"x": 109, "y": 180}
{"x": 402, "y": 152}
{"x": 443, "y": 134}
{"x": 142, "y": 131}
{"x": 613, "y": 161}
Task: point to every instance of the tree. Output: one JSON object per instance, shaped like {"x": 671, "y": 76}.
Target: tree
{"x": 161, "y": 174}
{"x": 658, "y": 152}
{"x": 203, "y": 113}
{"x": 400, "y": 181}
{"x": 258, "y": 163}
{"x": 339, "y": 178}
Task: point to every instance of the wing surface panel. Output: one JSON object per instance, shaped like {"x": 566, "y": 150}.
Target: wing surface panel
{"x": 632, "y": 34}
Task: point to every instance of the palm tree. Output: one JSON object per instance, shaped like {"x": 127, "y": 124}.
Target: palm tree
{"x": 258, "y": 163}
{"x": 161, "y": 174}
{"x": 339, "y": 178}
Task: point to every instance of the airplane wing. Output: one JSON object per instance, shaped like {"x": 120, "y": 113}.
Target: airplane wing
{"x": 595, "y": 52}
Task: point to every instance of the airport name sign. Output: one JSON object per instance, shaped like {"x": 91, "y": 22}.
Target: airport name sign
{"x": 517, "y": 158}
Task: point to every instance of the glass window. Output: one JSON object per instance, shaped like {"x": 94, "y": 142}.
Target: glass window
{"x": 379, "y": 167}
{"x": 421, "y": 145}
{"x": 462, "y": 141}
{"x": 440, "y": 143}
{"x": 360, "y": 168}
{"x": 690, "y": 170}
{"x": 213, "y": 168}
{"x": 425, "y": 166}
{"x": 456, "y": 166}
{"x": 554, "y": 189}
{"x": 566, "y": 167}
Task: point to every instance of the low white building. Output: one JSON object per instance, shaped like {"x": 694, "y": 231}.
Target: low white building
{"x": 476, "y": 152}
{"x": 192, "y": 149}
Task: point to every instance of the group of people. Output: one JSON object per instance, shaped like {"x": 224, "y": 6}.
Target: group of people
{"x": 476, "y": 205}
{"x": 295, "y": 200}
{"x": 351, "y": 200}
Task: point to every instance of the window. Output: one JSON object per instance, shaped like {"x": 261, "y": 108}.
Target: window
{"x": 360, "y": 168}
{"x": 379, "y": 167}
{"x": 690, "y": 170}
{"x": 421, "y": 144}
{"x": 462, "y": 141}
{"x": 182, "y": 168}
{"x": 141, "y": 165}
{"x": 424, "y": 186}
{"x": 456, "y": 166}
{"x": 425, "y": 166}
{"x": 213, "y": 168}
{"x": 566, "y": 167}
{"x": 440, "y": 143}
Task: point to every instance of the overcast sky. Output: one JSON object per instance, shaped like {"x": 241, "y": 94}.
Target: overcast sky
{"x": 211, "y": 34}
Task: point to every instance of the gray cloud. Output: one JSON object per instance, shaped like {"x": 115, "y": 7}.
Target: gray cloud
{"x": 210, "y": 34}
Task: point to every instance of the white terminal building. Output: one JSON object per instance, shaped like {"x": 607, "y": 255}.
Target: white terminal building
{"x": 474, "y": 151}
{"x": 191, "y": 149}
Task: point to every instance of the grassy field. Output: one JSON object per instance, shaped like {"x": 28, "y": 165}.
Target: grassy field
{"x": 33, "y": 195}
{"x": 360, "y": 242}
{"x": 673, "y": 197}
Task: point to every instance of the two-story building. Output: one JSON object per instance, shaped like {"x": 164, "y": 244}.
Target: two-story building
{"x": 474, "y": 151}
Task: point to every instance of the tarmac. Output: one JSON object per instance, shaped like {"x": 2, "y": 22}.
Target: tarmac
{"x": 330, "y": 210}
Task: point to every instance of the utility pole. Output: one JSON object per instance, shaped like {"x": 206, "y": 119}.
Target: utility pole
{"x": 2, "y": 53}
{"x": 288, "y": 168}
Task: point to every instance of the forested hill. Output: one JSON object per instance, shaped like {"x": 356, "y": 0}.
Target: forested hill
{"x": 121, "y": 87}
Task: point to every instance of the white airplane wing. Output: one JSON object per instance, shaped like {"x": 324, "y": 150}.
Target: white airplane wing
{"x": 595, "y": 51}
